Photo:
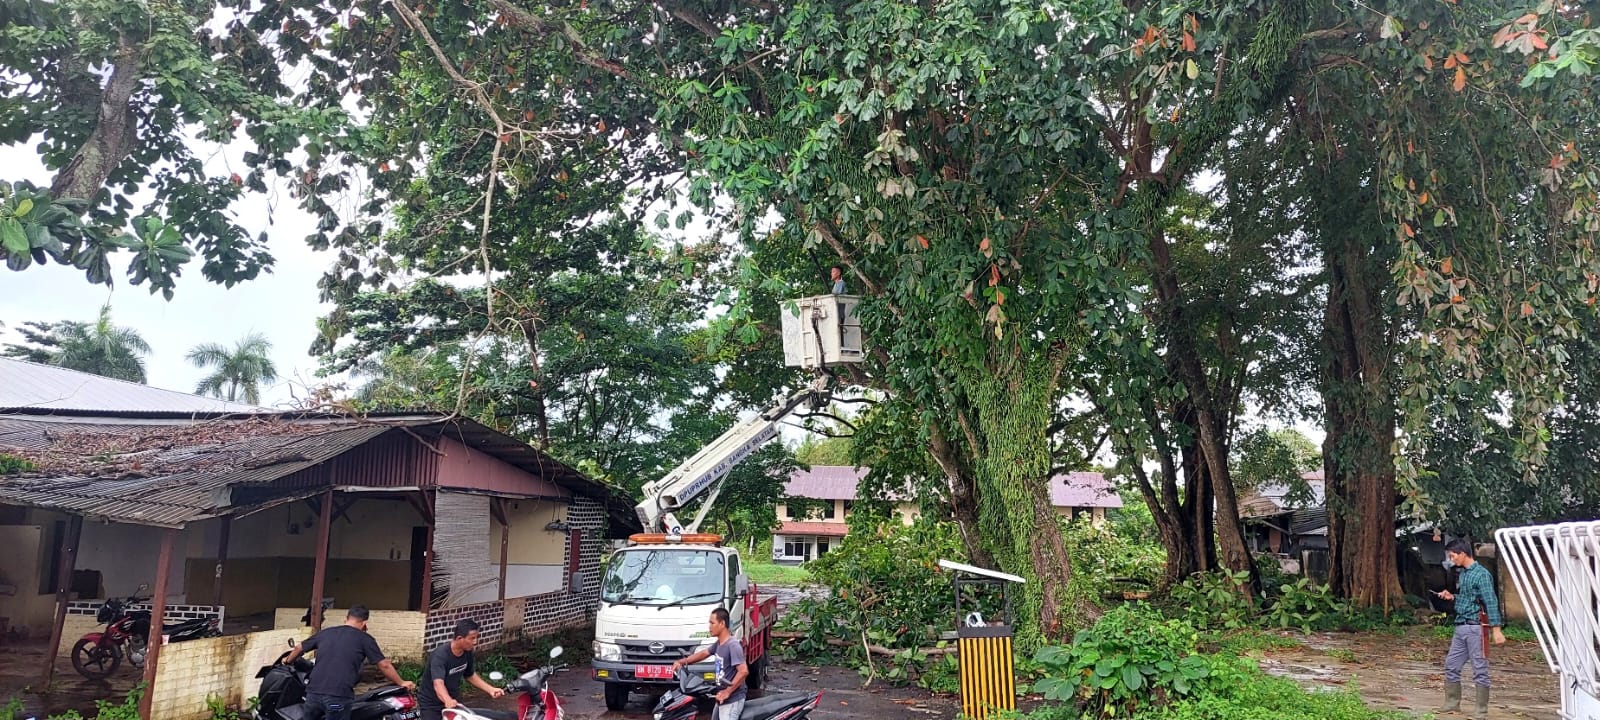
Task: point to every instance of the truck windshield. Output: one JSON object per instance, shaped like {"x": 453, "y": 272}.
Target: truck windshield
{"x": 659, "y": 577}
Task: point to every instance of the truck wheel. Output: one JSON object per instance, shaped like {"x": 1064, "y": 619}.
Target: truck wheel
{"x": 616, "y": 696}
{"x": 758, "y": 673}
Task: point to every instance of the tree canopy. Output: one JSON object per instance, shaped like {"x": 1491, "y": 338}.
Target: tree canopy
{"x": 101, "y": 347}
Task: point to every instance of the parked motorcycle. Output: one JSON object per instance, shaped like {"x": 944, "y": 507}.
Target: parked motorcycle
{"x": 534, "y": 699}
{"x": 305, "y": 619}
{"x": 98, "y": 654}
{"x": 282, "y": 695}
{"x": 679, "y": 703}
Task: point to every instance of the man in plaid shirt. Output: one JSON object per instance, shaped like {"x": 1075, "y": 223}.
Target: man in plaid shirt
{"x": 1476, "y": 607}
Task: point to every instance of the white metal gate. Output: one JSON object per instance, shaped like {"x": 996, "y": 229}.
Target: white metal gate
{"x": 1556, "y": 569}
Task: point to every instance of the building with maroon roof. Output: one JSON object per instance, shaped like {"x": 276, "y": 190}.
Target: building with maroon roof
{"x": 802, "y": 535}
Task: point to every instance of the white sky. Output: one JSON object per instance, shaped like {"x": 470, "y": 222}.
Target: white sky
{"x": 281, "y": 305}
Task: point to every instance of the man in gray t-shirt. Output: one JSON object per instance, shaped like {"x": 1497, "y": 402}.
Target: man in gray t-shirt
{"x": 731, "y": 667}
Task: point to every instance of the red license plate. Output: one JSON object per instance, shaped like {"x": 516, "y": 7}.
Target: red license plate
{"x": 653, "y": 672}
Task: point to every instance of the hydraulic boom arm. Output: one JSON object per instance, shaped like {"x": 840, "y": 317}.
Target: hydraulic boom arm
{"x": 707, "y": 469}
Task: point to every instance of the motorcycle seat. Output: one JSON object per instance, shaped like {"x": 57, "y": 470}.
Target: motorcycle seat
{"x": 774, "y": 704}
{"x": 175, "y": 628}
{"x": 379, "y": 693}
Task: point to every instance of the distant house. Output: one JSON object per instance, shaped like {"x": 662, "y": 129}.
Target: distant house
{"x": 802, "y": 537}
{"x": 1277, "y": 521}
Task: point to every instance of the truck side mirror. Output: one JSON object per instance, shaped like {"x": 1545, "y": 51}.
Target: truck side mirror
{"x": 741, "y": 584}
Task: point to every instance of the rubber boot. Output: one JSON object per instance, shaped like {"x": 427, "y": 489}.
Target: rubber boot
{"x": 1481, "y": 710}
{"x": 1452, "y": 698}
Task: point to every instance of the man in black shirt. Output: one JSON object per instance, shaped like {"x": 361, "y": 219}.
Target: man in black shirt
{"x": 341, "y": 651}
{"x": 447, "y": 665}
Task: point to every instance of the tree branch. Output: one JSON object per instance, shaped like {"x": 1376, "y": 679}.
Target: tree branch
{"x": 581, "y": 51}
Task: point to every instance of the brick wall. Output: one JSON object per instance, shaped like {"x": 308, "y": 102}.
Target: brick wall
{"x": 491, "y": 617}
{"x": 590, "y": 517}
{"x": 398, "y": 632}
{"x": 191, "y": 672}
{"x": 550, "y": 612}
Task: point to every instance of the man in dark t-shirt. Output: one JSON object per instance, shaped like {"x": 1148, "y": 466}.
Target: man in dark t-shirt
{"x": 731, "y": 668}
{"x": 447, "y": 666}
{"x": 341, "y": 652}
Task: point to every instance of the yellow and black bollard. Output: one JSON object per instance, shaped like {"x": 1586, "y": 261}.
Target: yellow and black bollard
{"x": 988, "y": 673}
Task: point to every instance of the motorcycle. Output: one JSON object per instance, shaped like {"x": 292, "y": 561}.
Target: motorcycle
{"x": 680, "y": 703}
{"x": 535, "y": 701}
{"x": 305, "y": 619}
{"x": 98, "y": 654}
{"x": 282, "y": 695}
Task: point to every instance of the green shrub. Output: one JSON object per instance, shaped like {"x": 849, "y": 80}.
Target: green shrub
{"x": 885, "y": 586}
{"x": 1131, "y": 659}
{"x": 1306, "y": 606}
{"x": 1108, "y": 560}
{"x": 1240, "y": 691}
{"x": 1212, "y": 602}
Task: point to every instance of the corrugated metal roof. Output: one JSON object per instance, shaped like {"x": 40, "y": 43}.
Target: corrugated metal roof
{"x": 186, "y": 482}
{"x": 801, "y": 527}
{"x": 1274, "y": 498}
{"x": 172, "y": 472}
{"x": 1083, "y": 489}
{"x": 34, "y": 387}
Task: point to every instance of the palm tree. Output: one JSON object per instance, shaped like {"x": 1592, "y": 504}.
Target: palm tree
{"x": 238, "y": 372}
{"x": 100, "y": 348}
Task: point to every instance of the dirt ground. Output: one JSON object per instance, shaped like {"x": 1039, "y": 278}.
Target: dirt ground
{"x": 1406, "y": 672}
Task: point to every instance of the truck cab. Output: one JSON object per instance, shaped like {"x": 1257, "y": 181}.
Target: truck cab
{"x": 655, "y": 602}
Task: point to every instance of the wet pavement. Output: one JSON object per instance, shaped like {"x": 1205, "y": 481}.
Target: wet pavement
{"x": 1404, "y": 672}
{"x": 842, "y": 696}
{"x": 21, "y": 669}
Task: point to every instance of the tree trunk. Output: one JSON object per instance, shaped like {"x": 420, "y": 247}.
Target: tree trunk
{"x": 1209, "y": 420}
{"x": 1358, "y": 460}
{"x": 1016, "y": 520}
{"x": 963, "y": 497}
{"x": 114, "y": 133}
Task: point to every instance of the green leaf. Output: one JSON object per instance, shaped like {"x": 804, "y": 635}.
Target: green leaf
{"x": 12, "y": 237}
{"x": 23, "y": 208}
{"x": 1191, "y": 69}
{"x": 1132, "y": 678}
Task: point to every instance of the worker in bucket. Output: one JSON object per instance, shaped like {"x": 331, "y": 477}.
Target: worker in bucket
{"x": 1477, "y": 613}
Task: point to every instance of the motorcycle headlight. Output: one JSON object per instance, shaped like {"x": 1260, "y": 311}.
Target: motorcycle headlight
{"x": 609, "y": 652}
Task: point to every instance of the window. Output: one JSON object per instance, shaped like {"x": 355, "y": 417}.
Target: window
{"x": 849, "y": 505}
{"x": 822, "y": 547}
{"x": 788, "y": 511}
{"x": 828, "y": 510}
{"x": 1079, "y": 513}
{"x": 733, "y": 576}
{"x": 797, "y": 549}
{"x": 645, "y": 577}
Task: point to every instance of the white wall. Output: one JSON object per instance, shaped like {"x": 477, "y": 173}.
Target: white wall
{"x": 126, "y": 556}
{"x": 372, "y": 529}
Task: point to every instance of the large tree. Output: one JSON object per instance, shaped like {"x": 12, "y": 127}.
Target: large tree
{"x": 101, "y": 347}
{"x": 998, "y": 179}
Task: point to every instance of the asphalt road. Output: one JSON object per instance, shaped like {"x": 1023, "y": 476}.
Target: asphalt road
{"x": 842, "y": 696}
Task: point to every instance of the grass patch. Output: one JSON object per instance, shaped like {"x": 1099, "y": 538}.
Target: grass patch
{"x": 767, "y": 573}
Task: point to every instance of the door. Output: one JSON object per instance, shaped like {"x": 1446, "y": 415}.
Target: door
{"x": 736, "y": 605}
{"x": 419, "y": 555}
